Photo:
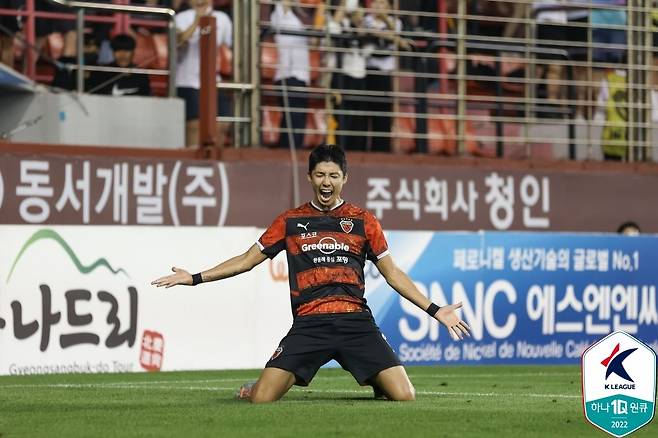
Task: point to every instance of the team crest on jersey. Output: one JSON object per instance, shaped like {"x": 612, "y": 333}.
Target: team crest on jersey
{"x": 347, "y": 225}
{"x": 277, "y": 352}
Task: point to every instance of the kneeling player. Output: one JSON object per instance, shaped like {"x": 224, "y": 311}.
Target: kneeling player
{"x": 327, "y": 241}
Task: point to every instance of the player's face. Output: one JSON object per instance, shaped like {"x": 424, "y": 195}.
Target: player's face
{"x": 327, "y": 181}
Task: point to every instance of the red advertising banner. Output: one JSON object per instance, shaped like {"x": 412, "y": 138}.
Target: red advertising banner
{"x": 53, "y": 189}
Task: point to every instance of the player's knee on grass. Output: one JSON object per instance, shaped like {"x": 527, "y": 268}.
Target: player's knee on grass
{"x": 395, "y": 383}
{"x": 402, "y": 393}
{"x": 261, "y": 394}
{"x": 258, "y": 398}
{"x": 272, "y": 385}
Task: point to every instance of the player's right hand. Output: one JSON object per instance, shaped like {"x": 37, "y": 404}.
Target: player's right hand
{"x": 180, "y": 276}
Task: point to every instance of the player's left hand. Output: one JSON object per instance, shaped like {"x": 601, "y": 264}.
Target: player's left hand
{"x": 447, "y": 316}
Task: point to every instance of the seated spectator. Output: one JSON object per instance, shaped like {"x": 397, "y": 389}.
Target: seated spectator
{"x": 120, "y": 84}
{"x": 66, "y": 75}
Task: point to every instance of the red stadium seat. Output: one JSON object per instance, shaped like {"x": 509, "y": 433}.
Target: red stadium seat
{"x": 268, "y": 60}
{"x": 159, "y": 85}
{"x": 225, "y": 61}
{"x": 145, "y": 53}
{"x": 270, "y": 122}
{"x": 316, "y": 120}
{"x": 315, "y": 61}
{"x": 404, "y": 129}
{"x": 443, "y": 137}
{"x": 161, "y": 47}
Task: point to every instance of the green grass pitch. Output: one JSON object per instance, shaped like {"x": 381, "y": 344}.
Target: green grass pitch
{"x": 479, "y": 401}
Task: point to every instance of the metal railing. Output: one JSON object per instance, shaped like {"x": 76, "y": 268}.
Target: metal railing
{"x": 80, "y": 7}
{"x": 489, "y": 112}
{"x": 478, "y": 82}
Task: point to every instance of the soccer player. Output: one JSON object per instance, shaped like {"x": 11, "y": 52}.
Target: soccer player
{"x": 327, "y": 241}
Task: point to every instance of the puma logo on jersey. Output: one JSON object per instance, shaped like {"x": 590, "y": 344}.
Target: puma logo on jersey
{"x": 304, "y": 226}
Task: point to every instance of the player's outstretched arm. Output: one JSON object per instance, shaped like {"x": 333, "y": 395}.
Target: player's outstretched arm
{"x": 403, "y": 285}
{"x": 234, "y": 266}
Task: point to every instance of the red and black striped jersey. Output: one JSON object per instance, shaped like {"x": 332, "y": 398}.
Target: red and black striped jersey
{"x": 326, "y": 252}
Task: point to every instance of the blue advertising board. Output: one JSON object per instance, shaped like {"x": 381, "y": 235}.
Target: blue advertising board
{"x": 528, "y": 297}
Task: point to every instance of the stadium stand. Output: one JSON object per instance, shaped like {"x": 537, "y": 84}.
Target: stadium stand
{"x": 473, "y": 81}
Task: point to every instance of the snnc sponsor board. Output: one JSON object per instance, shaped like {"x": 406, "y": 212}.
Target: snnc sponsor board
{"x": 528, "y": 298}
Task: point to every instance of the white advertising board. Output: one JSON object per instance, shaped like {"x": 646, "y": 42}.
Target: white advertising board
{"x": 79, "y": 299}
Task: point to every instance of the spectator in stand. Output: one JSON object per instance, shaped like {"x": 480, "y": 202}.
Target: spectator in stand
{"x": 66, "y": 77}
{"x": 384, "y": 30}
{"x": 629, "y": 228}
{"x": 176, "y": 5}
{"x": 10, "y": 25}
{"x": 120, "y": 84}
{"x": 293, "y": 70}
{"x": 562, "y": 22}
{"x": 602, "y": 19}
{"x": 349, "y": 81}
{"x": 188, "y": 70}
{"x": 46, "y": 26}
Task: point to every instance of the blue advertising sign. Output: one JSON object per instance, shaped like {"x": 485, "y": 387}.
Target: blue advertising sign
{"x": 528, "y": 297}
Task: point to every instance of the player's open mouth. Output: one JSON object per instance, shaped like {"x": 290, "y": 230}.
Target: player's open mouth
{"x": 325, "y": 195}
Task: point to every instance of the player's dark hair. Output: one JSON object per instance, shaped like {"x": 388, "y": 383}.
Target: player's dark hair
{"x": 327, "y": 152}
{"x": 123, "y": 42}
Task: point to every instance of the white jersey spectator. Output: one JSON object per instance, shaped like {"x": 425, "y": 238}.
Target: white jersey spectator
{"x": 292, "y": 49}
{"x": 292, "y": 71}
{"x": 187, "y": 72}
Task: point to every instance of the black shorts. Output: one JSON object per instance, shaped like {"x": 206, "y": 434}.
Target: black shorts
{"x": 352, "y": 339}
{"x": 46, "y": 26}
{"x": 191, "y": 98}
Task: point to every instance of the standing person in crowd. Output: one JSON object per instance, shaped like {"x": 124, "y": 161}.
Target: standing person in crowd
{"x": 11, "y": 25}
{"x": 292, "y": 70}
{"x": 608, "y": 14}
{"x": 120, "y": 84}
{"x": 558, "y": 20}
{"x": 188, "y": 69}
{"x": 46, "y": 26}
{"x": 331, "y": 319}
{"x": 384, "y": 29}
{"x": 350, "y": 77}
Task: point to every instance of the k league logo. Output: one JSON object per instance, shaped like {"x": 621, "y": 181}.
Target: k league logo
{"x": 619, "y": 384}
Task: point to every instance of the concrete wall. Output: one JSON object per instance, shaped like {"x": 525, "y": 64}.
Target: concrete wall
{"x": 45, "y": 117}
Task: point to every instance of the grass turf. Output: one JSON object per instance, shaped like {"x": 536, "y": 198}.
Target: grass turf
{"x": 478, "y": 401}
